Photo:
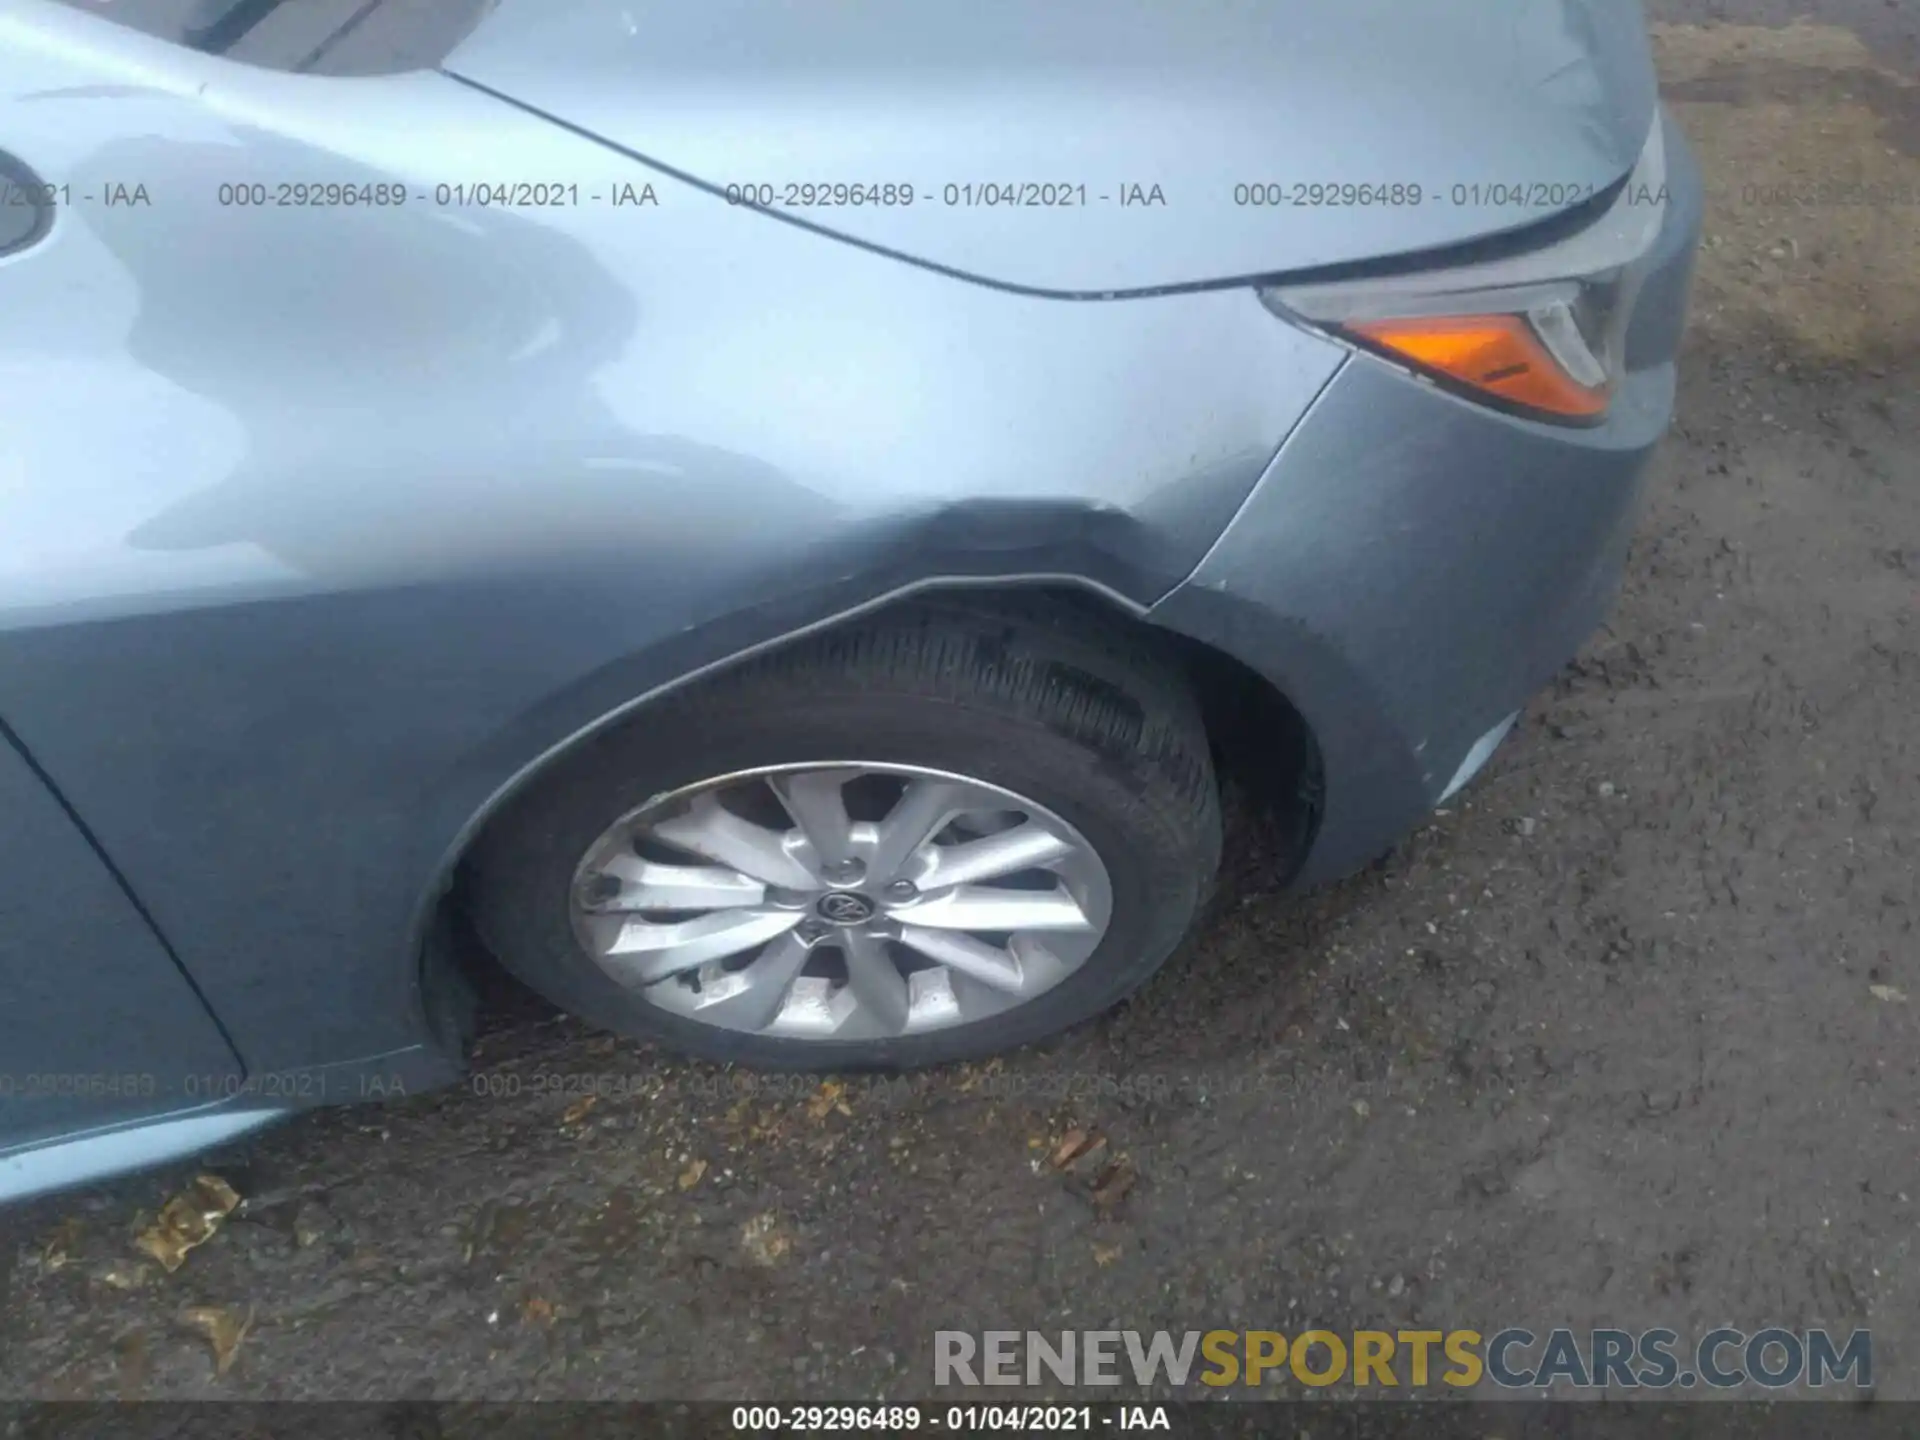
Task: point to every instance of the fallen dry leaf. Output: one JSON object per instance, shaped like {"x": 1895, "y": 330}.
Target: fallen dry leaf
{"x": 224, "y": 1328}
{"x": 764, "y": 1241}
{"x": 972, "y": 1075}
{"x": 1114, "y": 1183}
{"x": 690, "y": 1176}
{"x": 187, "y": 1220}
{"x": 828, "y": 1099}
{"x": 59, "y": 1249}
{"x": 219, "y": 1194}
{"x": 1071, "y": 1146}
{"x": 1893, "y": 995}
{"x": 577, "y": 1111}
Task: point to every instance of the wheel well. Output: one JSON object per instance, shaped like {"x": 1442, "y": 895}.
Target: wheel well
{"x": 1259, "y": 739}
{"x": 1262, "y": 746}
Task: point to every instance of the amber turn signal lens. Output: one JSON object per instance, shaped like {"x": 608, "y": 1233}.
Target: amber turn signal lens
{"x": 1497, "y": 355}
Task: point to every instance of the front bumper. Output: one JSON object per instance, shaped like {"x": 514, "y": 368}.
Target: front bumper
{"x": 1412, "y": 566}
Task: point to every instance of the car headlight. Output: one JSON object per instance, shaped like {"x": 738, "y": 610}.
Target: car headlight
{"x": 1541, "y": 333}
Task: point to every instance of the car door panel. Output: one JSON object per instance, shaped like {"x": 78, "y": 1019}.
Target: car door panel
{"x": 98, "y": 1026}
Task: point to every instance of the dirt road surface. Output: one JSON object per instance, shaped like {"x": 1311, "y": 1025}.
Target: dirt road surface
{"x": 1630, "y": 1035}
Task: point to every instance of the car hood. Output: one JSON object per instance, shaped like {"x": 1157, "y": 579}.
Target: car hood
{"x": 1146, "y": 118}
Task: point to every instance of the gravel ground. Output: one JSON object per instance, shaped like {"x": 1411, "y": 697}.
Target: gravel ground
{"x": 1624, "y": 1037}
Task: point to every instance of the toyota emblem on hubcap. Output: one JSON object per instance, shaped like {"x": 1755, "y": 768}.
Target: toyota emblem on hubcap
{"x": 843, "y": 907}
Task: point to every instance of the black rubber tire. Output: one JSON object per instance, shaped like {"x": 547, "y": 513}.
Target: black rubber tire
{"x": 1063, "y": 707}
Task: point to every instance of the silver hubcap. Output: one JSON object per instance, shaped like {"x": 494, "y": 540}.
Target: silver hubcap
{"x": 841, "y": 902}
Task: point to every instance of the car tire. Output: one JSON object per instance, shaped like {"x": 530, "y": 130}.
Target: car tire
{"x": 1088, "y": 726}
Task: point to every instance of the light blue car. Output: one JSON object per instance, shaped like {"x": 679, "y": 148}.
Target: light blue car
{"x": 774, "y": 513}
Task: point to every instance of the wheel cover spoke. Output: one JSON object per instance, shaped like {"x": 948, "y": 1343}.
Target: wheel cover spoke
{"x": 746, "y": 999}
{"x": 876, "y": 982}
{"x": 924, "y": 807}
{"x": 650, "y": 885}
{"x": 815, "y": 800}
{"x": 986, "y": 963}
{"x": 982, "y": 907}
{"x": 993, "y": 857}
{"x": 712, "y": 831}
{"x": 644, "y": 951}
{"x": 893, "y": 901}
